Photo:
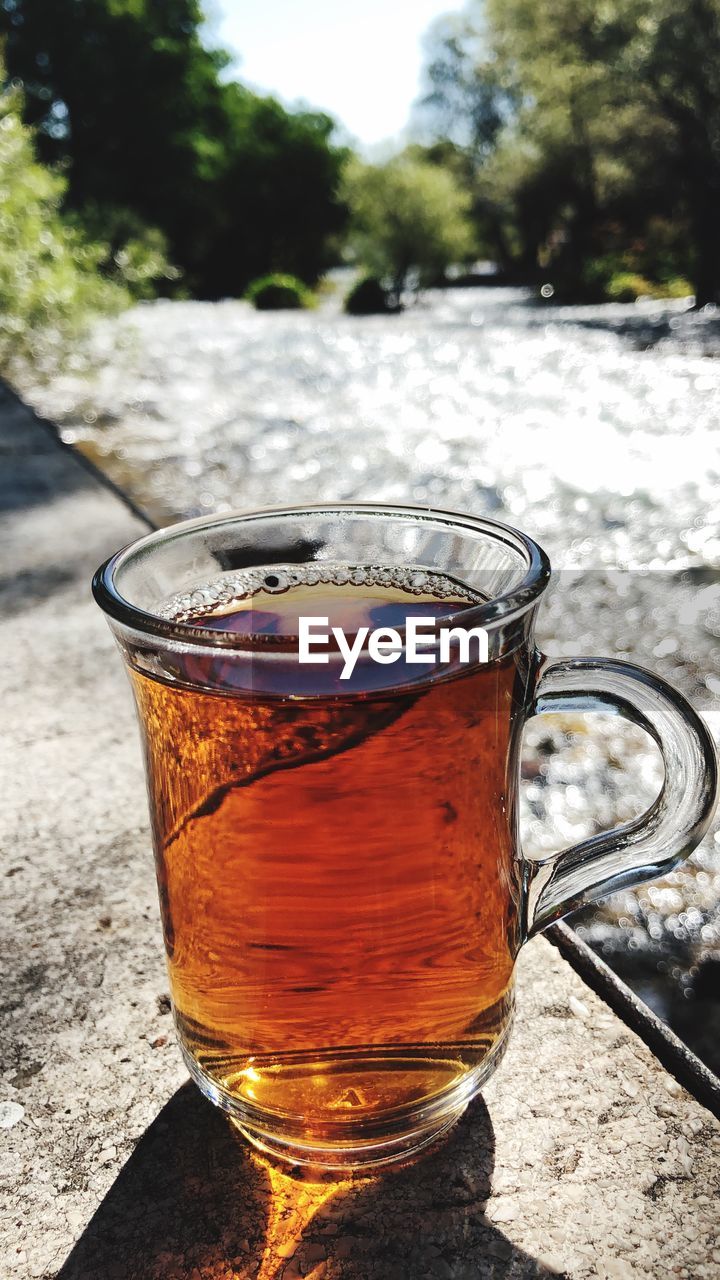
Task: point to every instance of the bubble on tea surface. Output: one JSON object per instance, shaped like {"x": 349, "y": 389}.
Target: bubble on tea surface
{"x": 235, "y": 588}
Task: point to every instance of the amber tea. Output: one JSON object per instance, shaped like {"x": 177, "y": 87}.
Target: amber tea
{"x": 337, "y": 879}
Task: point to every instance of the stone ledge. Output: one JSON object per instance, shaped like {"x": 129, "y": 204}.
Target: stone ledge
{"x": 584, "y": 1158}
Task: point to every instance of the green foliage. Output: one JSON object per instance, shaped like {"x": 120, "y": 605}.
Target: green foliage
{"x": 277, "y": 206}
{"x": 126, "y": 96}
{"x": 279, "y": 292}
{"x": 621, "y": 277}
{"x": 678, "y": 287}
{"x": 409, "y": 220}
{"x": 142, "y": 265}
{"x": 626, "y": 286}
{"x": 136, "y": 255}
{"x": 367, "y": 297}
{"x": 49, "y": 283}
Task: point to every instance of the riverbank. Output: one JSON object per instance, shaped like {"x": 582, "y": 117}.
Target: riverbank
{"x": 584, "y": 1158}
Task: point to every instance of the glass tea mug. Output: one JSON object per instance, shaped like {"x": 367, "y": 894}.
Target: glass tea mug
{"x": 342, "y": 886}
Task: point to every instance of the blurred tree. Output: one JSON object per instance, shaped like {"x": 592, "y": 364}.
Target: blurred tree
{"x": 681, "y": 58}
{"x": 277, "y": 194}
{"x": 49, "y": 284}
{"x": 466, "y": 99}
{"x": 465, "y": 105}
{"x": 409, "y": 220}
{"x": 623, "y": 98}
{"x": 604, "y": 124}
{"x": 125, "y": 95}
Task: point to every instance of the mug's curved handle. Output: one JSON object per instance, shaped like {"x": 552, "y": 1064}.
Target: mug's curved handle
{"x": 674, "y": 824}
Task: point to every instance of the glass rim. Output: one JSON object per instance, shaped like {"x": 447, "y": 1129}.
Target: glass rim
{"x": 488, "y": 614}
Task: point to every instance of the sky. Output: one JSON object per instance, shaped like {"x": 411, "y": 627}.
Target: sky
{"x": 360, "y": 62}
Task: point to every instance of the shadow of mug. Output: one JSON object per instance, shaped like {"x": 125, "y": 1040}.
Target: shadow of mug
{"x": 195, "y": 1202}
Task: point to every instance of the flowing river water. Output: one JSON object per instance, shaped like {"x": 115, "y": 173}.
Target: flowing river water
{"x": 594, "y": 429}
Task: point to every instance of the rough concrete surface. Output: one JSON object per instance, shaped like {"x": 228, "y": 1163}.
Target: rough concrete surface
{"x": 584, "y": 1158}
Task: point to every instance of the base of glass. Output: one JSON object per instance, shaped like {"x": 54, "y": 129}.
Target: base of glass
{"x": 366, "y": 1144}
{"x": 347, "y": 1157}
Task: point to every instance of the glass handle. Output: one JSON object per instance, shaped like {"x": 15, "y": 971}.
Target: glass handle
{"x": 654, "y": 843}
